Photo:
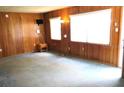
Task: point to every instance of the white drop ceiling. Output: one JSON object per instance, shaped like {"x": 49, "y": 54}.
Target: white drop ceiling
{"x": 30, "y": 9}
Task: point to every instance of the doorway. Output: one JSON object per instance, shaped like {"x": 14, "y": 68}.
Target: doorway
{"x": 121, "y": 41}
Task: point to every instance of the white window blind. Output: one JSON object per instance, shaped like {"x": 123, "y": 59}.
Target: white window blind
{"x": 55, "y": 28}
{"x": 91, "y": 27}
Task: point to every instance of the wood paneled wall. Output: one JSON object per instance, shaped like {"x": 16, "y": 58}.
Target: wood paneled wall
{"x": 103, "y": 53}
{"x": 18, "y": 33}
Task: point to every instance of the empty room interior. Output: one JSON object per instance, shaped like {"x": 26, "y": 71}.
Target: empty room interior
{"x": 61, "y": 46}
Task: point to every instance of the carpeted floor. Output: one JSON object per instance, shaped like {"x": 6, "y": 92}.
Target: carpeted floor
{"x": 49, "y": 69}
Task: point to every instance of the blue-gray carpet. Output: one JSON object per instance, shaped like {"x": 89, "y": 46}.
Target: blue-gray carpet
{"x": 49, "y": 69}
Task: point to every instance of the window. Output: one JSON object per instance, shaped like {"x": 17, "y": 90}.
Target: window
{"x": 92, "y": 27}
{"x": 55, "y": 27}
{"x": 78, "y": 28}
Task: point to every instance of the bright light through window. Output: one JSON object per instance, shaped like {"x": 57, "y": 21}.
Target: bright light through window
{"x": 78, "y": 28}
{"x": 55, "y": 27}
{"x": 92, "y": 27}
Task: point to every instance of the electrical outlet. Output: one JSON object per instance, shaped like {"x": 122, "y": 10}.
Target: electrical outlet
{"x": 82, "y": 48}
{"x": 0, "y": 50}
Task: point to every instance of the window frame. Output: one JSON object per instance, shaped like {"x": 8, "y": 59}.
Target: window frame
{"x": 51, "y": 31}
{"x": 110, "y": 32}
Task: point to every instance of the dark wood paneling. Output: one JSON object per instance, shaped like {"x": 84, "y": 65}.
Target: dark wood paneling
{"x": 107, "y": 54}
{"x": 18, "y": 33}
{"x": 0, "y": 40}
{"x": 75, "y": 47}
{"x": 65, "y": 31}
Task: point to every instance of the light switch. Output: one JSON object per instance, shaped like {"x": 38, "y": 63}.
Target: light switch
{"x": 6, "y": 15}
{"x": 116, "y": 29}
{"x": 65, "y": 36}
{"x": 0, "y": 50}
{"x": 38, "y": 31}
